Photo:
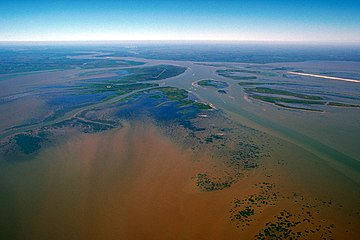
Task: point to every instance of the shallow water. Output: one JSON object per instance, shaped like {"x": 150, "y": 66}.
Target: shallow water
{"x": 137, "y": 182}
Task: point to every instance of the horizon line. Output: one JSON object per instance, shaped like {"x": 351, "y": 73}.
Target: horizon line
{"x": 4, "y": 42}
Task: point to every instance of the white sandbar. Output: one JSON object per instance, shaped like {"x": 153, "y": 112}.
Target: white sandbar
{"x": 326, "y": 77}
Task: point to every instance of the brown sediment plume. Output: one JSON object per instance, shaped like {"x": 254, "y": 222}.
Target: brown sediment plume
{"x": 129, "y": 184}
{"x": 136, "y": 183}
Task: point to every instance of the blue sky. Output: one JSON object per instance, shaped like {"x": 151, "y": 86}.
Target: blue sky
{"x": 310, "y": 21}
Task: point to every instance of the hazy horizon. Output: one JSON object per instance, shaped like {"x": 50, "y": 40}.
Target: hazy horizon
{"x": 182, "y": 42}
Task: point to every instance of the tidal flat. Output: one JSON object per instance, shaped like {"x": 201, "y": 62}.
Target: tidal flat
{"x": 210, "y": 150}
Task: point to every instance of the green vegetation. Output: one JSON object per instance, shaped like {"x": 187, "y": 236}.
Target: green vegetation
{"x": 181, "y": 96}
{"x": 133, "y": 75}
{"x": 156, "y": 96}
{"x": 205, "y": 83}
{"x": 298, "y": 108}
{"x": 248, "y": 150}
{"x": 243, "y": 209}
{"x": 16, "y": 63}
{"x": 185, "y": 102}
{"x": 244, "y": 78}
{"x": 28, "y": 143}
{"x": 173, "y": 93}
{"x": 337, "y": 104}
{"x": 107, "y": 63}
{"x": 205, "y": 183}
{"x": 222, "y": 91}
{"x": 244, "y": 156}
{"x": 251, "y": 83}
{"x": 265, "y": 90}
{"x": 282, "y": 228}
{"x": 261, "y": 83}
{"x": 231, "y": 73}
{"x": 153, "y": 73}
{"x": 212, "y": 83}
{"x": 275, "y": 100}
{"x": 88, "y": 126}
{"x": 91, "y": 73}
{"x": 201, "y": 106}
{"x": 114, "y": 90}
{"x": 298, "y": 98}
{"x": 228, "y": 72}
{"x": 282, "y": 101}
{"x": 278, "y": 102}
{"x": 246, "y": 213}
{"x": 235, "y": 74}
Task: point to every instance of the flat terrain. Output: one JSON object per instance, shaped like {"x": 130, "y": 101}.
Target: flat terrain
{"x": 100, "y": 146}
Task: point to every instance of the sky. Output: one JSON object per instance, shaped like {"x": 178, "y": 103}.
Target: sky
{"x": 226, "y": 20}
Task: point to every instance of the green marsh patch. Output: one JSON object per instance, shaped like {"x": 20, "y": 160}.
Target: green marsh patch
{"x": 153, "y": 73}
{"x": 284, "y": 98}
{"x": 212, "y": 83}
{"x": 291, "y": 100}
{"x": 265, "y": 90}
{"x": 209, "y": 184}
{"x": 28, "y": 143}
